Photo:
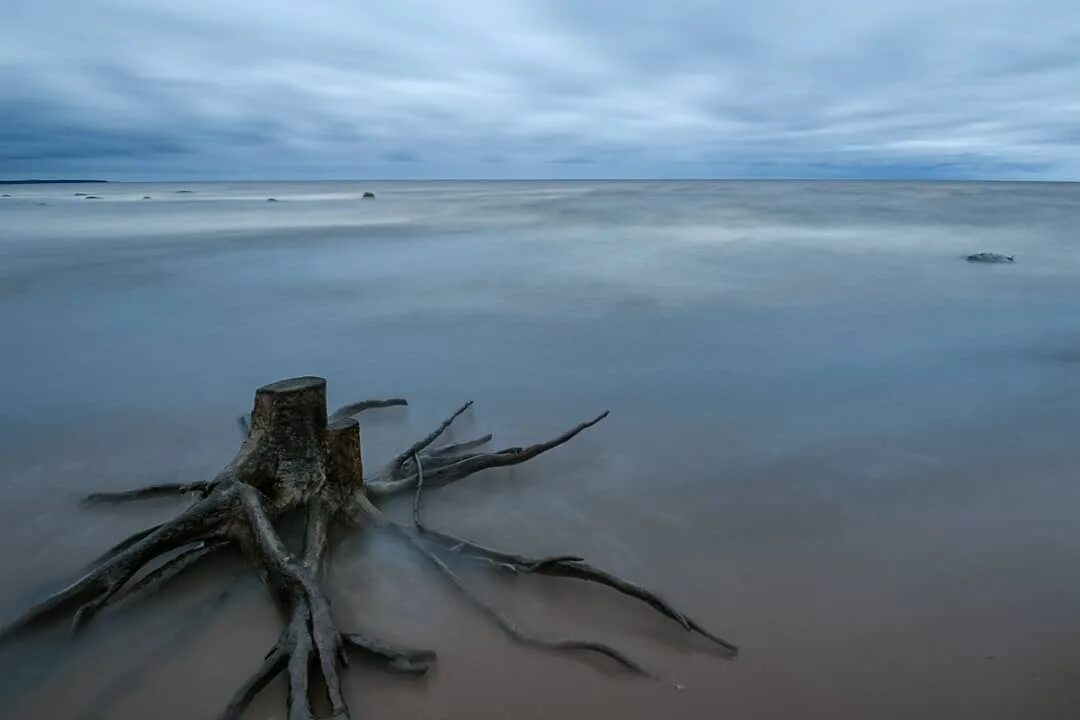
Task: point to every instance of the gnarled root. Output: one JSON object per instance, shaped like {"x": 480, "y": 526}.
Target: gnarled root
{"x": 454, "y": 462}
{"x": 284, "y": 454}
{"x": 102, "y": 584}
{"x": 296, "y": 456}
{"x": 311, "y": 637}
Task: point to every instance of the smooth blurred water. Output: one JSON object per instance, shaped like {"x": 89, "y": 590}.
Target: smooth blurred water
{"x": 832, "y": 439}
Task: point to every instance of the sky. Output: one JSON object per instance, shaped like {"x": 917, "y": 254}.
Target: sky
{"x": 288, "y": 89}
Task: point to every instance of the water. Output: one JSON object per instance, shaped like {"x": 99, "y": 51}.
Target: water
{"x": 831, "y": 440}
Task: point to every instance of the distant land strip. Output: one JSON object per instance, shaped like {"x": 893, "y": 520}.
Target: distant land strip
{"x": 47, "y": 182}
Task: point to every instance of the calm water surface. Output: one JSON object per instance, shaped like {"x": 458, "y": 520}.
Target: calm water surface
{"x": 831, "y": 439}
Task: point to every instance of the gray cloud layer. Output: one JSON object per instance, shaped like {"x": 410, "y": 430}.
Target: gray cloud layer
{"x": 548, "y": 88}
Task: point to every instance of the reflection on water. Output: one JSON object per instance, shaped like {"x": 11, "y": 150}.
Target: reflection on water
{"x": 831, "y": 438}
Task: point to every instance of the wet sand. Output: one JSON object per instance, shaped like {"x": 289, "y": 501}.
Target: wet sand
{"x": 831, "y": 440}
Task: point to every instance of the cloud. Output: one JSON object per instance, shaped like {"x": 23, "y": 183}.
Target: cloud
{"x": 548, "y": 88}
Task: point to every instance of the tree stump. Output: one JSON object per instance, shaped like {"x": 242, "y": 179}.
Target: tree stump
{"x": 297, "y": 458}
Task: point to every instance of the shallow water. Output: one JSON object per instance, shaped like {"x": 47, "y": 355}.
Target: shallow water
{"x": 832, "y": 440}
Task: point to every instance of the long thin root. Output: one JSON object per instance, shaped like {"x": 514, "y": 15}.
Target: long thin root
{"x": 150, "y": 491}
{"x": 507, "y": 625}
{"x": 355, "y": 409}
{"x": 557, "y": 566}
{"x": 431, "y": 437}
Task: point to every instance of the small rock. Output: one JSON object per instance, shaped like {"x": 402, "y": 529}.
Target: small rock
{"x": 989, "y": 257}
{"x": 5, "y": 195}
{"x": 91, "y": 197}
{"x": 271, "y": 199}
{"x": 369, "y": 195}
{"x": 147, "y": 197}
{"x": 184, "y": 192}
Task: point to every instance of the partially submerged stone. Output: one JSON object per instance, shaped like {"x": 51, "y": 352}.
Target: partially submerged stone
{"x": 989, "y": 257}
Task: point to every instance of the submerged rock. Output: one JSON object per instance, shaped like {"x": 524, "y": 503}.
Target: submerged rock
{"x": 369, "y": 195}
{"x": 147, "y": 197}
{"x": 5, "y": 195}
{"x": 184, "y": 192}
{"x": 91, "y": 197}
{"x": 271, "y": 199}
{"x": 989, "y": 257}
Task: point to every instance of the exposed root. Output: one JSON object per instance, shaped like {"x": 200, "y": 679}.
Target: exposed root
{"x": 417, "y": 522}
{"x": 311, "y": 636}
{"x": 355, "y": 409}
{"x": 122, "y": 545}
{"x": 448, "y": 468}
{"x": 175, "y": 566}
{"x": 507, "y": 625}
{"x": 273, "y": 664}
{"x": 423, "y": 442}
{"x": 559, "y": 566}
{"x": 150, "y": 491}
{"x": 90, "y": 593}
{"x": 571, "y": 566}
{"x": 456, "y": 448}
{"x": 345, "y": 411}
{"x": 293, "y": 652}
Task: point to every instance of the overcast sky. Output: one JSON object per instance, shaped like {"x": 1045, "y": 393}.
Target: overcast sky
{"x": 146, "y": 89}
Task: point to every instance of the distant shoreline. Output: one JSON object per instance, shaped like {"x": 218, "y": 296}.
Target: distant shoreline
{"x": 837, "y": 180}
{"x": 48, "y": 182}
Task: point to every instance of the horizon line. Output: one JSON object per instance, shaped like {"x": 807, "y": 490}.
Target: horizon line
{"x": 46, "y": 181}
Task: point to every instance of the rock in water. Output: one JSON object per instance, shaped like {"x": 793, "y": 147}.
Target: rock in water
{"x": 369, "y": 195}
{"x": 146, "y": 197}
{"x": 989, "y": 257}
{"x": 271, "y": 199}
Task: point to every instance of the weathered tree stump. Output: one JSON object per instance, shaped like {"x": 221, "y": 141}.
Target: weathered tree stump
{"x": 296, "y": 458}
